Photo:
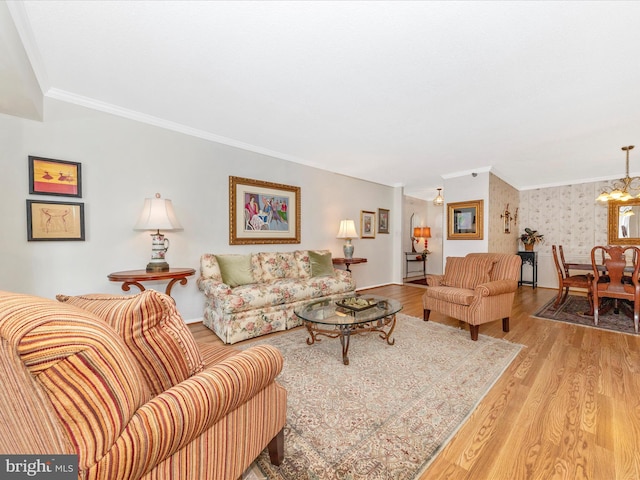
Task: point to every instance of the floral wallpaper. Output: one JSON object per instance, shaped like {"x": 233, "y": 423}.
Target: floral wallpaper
{"x": 567, "y": 215}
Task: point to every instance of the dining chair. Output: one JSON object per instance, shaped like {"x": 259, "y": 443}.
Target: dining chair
{"x": 566, "y": 280}
{"x": 618, "y": 286}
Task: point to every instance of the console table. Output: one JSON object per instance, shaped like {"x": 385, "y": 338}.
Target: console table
{"x": 415, "y": 257}
{"x": 348, "y": 261}
{"x": 530, "y": 258}
{"x": 135, "y": 277}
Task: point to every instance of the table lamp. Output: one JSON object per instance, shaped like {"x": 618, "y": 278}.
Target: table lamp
{"x": 347, "y": 231}
{"x": 157, "y": 213}
{"x": 424, "y": 233}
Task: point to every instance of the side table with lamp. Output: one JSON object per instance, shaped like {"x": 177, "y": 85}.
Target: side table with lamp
{"x": 347, "y": 231}
{"x": 157, "y": 213}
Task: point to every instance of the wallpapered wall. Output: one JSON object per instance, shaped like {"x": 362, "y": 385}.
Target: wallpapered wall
{"x": 566, "y": 215}
{"x": 502, "y": 195}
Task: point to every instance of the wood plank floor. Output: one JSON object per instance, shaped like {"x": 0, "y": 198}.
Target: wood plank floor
{"x": 567, "y": 408}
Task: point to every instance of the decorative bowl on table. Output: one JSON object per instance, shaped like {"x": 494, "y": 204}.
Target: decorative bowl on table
{"x": 357, "y": 304}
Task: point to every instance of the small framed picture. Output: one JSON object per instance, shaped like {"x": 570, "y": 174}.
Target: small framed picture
{"x": 367, "y": 224}
{"x": 54, "y": 177}
{"x": 383, "y": 220}
{"x": 54, "y": 221}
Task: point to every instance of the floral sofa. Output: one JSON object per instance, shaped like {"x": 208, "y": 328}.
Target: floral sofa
{"x": 262, "y": 301}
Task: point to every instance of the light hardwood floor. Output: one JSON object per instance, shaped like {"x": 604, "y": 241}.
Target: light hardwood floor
{"x": 567, "y": 408}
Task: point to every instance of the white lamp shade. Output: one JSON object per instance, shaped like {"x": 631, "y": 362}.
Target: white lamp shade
{"x": 347, "y": 229}
{"x": 157, "y": 214}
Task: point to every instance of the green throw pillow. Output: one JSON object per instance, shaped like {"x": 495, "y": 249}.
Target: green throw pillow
{"x": 321, "y": 264}
{"x": 235, "y": 269}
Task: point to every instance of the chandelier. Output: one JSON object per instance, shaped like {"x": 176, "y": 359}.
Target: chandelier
{"x": 439, "y": 200}
{"x": 619, "y": 190}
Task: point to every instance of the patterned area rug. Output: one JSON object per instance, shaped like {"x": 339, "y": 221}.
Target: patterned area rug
{"x": 388, "y": 413}
{"x": 572, "y": 311}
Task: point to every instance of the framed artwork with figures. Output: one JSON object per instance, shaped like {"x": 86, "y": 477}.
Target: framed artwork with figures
{"x": 54, "y": 177}
{"x": 263, "y": 212}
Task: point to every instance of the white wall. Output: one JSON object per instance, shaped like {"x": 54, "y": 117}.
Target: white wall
{"x": 428, "y": 215}
{"x": 123, "y": 162}
{"x": 461, "y": 189}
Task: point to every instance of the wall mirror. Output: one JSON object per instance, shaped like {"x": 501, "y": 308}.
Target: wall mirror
{"x": 624, "y": 222}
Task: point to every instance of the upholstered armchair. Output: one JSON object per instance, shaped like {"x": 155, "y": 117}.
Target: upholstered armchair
{"x": 121, "y": 382}
{"x": 476, "y": 289}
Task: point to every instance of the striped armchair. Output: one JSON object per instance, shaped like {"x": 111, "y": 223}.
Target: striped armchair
{"x": 121, "y": 382}
{"x": 476, "y": 289}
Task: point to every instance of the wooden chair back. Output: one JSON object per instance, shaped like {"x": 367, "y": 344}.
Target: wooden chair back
{"x": 566, "y": 280}
{"x": 614, "y": 283}
{"x": 614, "y": 260}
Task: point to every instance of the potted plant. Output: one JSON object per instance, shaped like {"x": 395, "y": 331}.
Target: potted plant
{"x": 530, "y": 238}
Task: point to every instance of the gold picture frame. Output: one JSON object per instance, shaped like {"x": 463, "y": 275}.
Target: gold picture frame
{"x": 465, "y": 220}
{"x": 367, "y": 224}
{"x": 263, "y": 212}
{"x": 624, "y": 223}
{"x": 48, "y": 221}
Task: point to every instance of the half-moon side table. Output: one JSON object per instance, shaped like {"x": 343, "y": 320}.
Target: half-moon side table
{"x": 348, "y": 261}
{"x": 134, "y": 277}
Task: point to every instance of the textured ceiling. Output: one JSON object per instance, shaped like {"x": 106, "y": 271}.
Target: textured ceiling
{"x": 399, "y": 93}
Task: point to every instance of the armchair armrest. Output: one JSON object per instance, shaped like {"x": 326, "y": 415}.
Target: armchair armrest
{"x": 434, "y": 280}
{"x": 497, "y": 287}
{"x": 177, "y": 416}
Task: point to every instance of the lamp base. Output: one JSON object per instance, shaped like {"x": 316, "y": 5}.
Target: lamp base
{"x": 157, "y": 267}
{"x": 347, "y": 249}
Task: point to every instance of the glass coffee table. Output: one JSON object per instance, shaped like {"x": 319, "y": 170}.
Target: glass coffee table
{"x": 349, "y": 316}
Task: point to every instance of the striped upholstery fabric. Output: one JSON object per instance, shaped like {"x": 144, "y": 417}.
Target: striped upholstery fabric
{"x": 91, "y": 399}
{"x": 485, "y": 287}
{"x": 153, "y": 330}
{"x": 177, "y": 416}
{"x": 467, "y": 272}
{"x": 89, "y": 377}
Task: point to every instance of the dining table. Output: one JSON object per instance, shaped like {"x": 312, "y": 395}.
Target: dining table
{"x": 589, "y": 267}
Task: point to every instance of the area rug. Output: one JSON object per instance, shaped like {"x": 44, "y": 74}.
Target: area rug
{"x": 391, "y": 410}
{"x": 573, "y": 311}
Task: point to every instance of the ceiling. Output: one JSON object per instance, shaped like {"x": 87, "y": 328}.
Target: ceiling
{"x": 398, "y": 93}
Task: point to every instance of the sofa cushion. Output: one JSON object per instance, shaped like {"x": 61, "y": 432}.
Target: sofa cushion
{"x": 282, "y": 291}
{"x": 321, "y": 264}
{"x": 209, "y": 267}
{"x": 152, "y": 329}
{"x": 235, "y": 269}
{"x": 277, "y": 265}
{"x": 303, "y": 263}
{"x": 467, "y": 272}
{"x": 457, "y": 296}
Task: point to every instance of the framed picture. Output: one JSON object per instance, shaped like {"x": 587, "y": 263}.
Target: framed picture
{"x": 465, "y": 220}
{"x": 367, "y": 224}
{"x": 383, "y": 220}
{"x": 54, "y": 177}
{"x": 54, "y": 221}
{"x": 263, "y": 212}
